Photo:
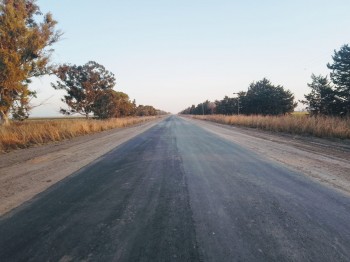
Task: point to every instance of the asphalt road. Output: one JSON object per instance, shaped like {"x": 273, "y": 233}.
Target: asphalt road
{"x": 180, "y": 193}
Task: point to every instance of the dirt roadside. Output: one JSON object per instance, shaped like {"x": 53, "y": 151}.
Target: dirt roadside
{"x": 323, "y": 160}
{"x": 27, "y": 172}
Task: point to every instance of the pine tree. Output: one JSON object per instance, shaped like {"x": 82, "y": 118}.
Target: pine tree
{"x": 321, "y": 100}
{"x": 340, "y": 76}
{"x": 264, "y": 98}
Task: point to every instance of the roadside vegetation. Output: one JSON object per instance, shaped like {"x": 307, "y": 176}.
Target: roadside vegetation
{"x": 271, "y": 107}
{"x": 37, "y": 132}
{"x": 26, "y": 39}
{"x": 26, "y": 48}
{"x": 329, "y": 96}
{"x": 323, "y": 126}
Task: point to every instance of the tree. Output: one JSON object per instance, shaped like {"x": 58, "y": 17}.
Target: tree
{"x": 83, "y": 84}
{"x": 105, "y": 105}
{"x": 321, "y": 100}
{"x": 110, "y": 103}
{"x": 124, "y": 106}
{"x": 227, "y": 106}
{"x": 211, "y": 106}
{"x": 23, "y": 51}
{"x": 266, "y": 99}
{"x": 21, "y": 107}
{"x": 340, "y": 76}
{"x": 147, "y": 110}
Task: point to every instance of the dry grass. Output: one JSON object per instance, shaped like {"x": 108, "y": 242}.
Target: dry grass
{"x": 327, "y": 127}
{"x": 35, "y": 132}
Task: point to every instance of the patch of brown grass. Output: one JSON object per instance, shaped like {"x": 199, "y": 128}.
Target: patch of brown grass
{"x": 35, "y": 132}
{"x": 327, "y": 127}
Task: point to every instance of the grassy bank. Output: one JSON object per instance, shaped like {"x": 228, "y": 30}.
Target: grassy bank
{"x": 35, "y": 132}
{"x": 326, "y": 127}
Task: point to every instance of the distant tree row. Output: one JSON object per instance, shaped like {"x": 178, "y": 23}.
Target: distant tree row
{"x": 25, "y": 49}
{"x": 262, "y": 98}
{"x": 89, "y": 91}
{"x": 327, "y": 97}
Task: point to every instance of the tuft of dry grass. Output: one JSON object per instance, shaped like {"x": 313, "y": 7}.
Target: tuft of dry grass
{"x": 36, "y": 132}
{"x": 326, "y": 127}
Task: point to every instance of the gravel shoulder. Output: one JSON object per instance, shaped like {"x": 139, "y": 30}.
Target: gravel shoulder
{"x": 25, "y": 173}
{"x": 325, "y": 161}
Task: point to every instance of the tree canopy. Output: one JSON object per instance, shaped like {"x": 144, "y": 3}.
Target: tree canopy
{"x": 261, "y": 98}
{"x": 227, "y": 106}
{"x": 83, "y": 85}
{"x": 264, "y": 98}
{"x": 321, "y": 100}
{"x": 23, "y": 52}
{"x": 340, "y": 76}
{"x": 110, "y": 103}
{"x": 90, "y": 91}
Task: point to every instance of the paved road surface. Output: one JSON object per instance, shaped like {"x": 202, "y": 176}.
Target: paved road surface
{"x": 179, "y": 193}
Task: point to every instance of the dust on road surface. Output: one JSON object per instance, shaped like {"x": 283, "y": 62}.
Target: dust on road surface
{"x": 27, "y": 172}
{"x": 178, "y": 192}
{"x": 325, "y": 161}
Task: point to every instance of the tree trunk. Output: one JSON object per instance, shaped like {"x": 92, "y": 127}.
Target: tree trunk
{"x": 4, "y": 118}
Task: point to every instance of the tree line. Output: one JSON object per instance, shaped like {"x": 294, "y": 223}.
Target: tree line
{"x": 326, "y": 97}
{"x": 26, "y": 47}
{"x": 25, "y": 50}
{"x": 89, "y": 91}
{"x": 262, "y": 98}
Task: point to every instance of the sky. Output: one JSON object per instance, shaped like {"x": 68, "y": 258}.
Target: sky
{"x": 172, "y": 54}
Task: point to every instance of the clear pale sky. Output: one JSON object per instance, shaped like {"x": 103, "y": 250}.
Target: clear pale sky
{"x": 171, "y": 54}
